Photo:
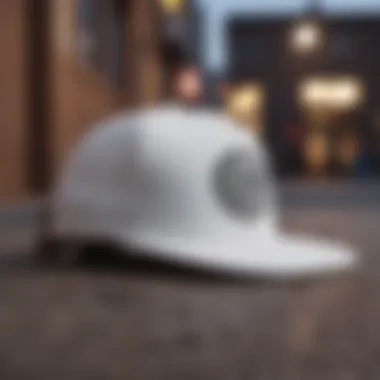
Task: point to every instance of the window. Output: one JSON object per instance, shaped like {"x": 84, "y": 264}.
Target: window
{"x": 88, "y": 32}
{"x": 101, "y": 32}
{"x": 250, "y": 51}
{"x": 342, "y": 46}
{"x": 116, "y": 42}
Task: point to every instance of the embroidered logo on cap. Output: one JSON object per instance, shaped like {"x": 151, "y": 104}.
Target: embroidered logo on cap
{"x": 240, "y": 182}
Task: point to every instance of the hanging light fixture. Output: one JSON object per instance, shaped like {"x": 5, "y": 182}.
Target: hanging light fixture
{"x": 307, "y": 35}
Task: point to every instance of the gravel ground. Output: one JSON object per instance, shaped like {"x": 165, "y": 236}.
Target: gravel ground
{"x": 152, "y": 323}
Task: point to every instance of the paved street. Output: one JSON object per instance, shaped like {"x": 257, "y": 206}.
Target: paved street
{"x": 153, "y": 324}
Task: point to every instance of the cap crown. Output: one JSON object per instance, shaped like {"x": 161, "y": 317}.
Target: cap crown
{"x": 171, "y": 171}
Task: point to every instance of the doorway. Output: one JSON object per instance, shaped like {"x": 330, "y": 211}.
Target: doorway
{"x": 330, "y": 110}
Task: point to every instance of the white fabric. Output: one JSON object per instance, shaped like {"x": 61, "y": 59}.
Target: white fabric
{"x": 277, "y": 255}
{"x": 150, "y": 177}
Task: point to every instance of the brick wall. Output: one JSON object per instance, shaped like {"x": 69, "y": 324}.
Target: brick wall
{"x": 145, "y": 34}
{"x": 81, "y": 96}
{"x": 13, "y": 152}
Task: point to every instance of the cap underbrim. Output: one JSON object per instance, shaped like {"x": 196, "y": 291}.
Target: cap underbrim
{"x": 274, "y": 256}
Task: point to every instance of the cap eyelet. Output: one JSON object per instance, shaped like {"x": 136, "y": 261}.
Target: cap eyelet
{"x": 240, "y": 183}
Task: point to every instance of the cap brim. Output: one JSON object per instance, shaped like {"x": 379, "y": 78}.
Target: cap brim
{"x": 274, "y": 256}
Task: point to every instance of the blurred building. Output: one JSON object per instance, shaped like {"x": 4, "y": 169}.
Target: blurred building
{"x": 13, "y": 104}
{"x": 68, "y": 63}
{"x": 311, "y": 87}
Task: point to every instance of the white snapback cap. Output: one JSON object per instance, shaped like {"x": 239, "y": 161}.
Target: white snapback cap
{"x": 187, "y": 186}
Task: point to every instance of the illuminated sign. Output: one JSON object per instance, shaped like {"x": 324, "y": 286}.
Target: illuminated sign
{"x": 337, "y": 93}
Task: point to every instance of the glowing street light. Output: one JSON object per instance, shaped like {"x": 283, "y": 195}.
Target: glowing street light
{"x": 306, "y": 37}
{"x": 244, "y": 103}
{"x": 307, "y": 34}
{"x": 172, "y": 7}
{"x": 245, "y": 100}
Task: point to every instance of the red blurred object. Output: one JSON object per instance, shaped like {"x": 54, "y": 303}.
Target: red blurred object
{"x": 293, "y": 133}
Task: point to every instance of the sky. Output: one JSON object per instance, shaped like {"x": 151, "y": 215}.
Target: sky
{"x": 216, "y": 12}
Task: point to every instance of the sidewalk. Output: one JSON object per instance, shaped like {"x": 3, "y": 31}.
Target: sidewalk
{"x": 23, "y": 214}
{"x": 19, "y": 226}
{"x": 339, "y": 193}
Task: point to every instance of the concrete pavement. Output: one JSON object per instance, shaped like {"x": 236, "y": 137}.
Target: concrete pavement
{"x": 86, "y": 324}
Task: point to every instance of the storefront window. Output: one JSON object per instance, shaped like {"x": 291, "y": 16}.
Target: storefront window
{"x": 329, "y": 106}
{"x": 347, "y": 149}
{"x": 116, "y": 42}
{"x": 342, "y": 46}
{"x": 316, "y": 150}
